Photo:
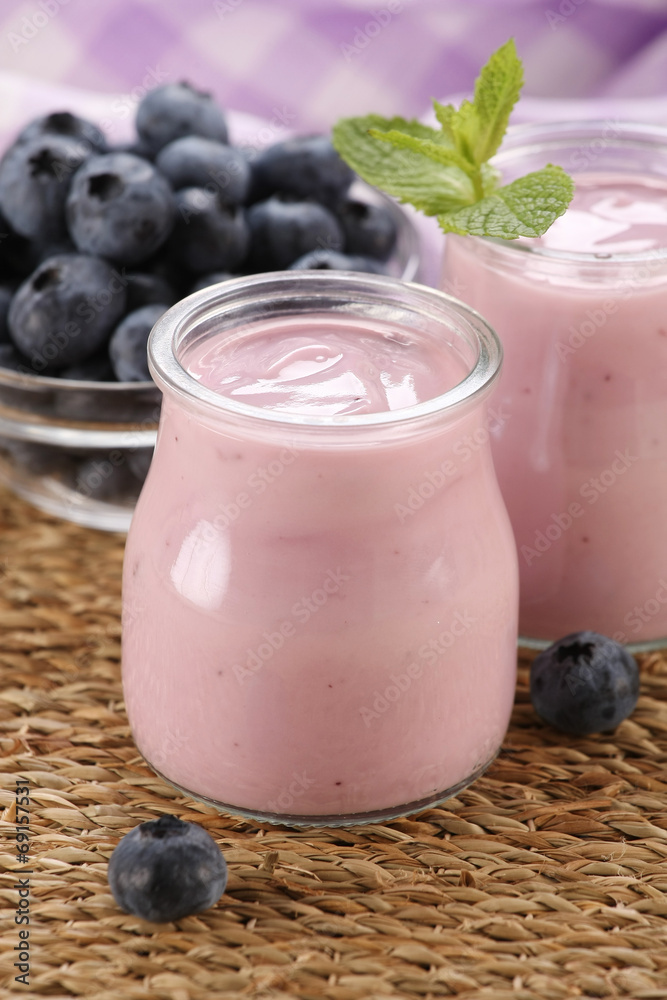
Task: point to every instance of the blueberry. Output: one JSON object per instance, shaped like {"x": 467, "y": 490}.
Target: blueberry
{"x": 120, "y": 207}
{"x": 42, "y": 251}
{"x": 175, "y": 110}
{"x": 69, "y": 125}
{"x": 98, "y": 478}
{"x": 135, "y": 146}
{"x": 282, "y": 231}
{"x": 369, "y": 230}
{"x": 584, "y": 683}
{"x": 11, "y": 359}
{"x": 305, "y": 167}
{"x": 95, "y": 369}
{"x": 36, "y": 459}
{"x": 197, "y": 162}
{"x": 212, "y": 278}
{"x": 65, "y": 311}
{"x": 208, "y": 235}
{"x": 146, "y": 289}
{"x": 127, "y": 347}
{"x": 6, "y": 295}
{"x": 167, "y": 869}
{"x": 166, "y": 267}
{"x": 35, "y": 178}
{"x": 332, "y": 260}
{"x": 139, "y": 462}
{"x": 18, "y": 255}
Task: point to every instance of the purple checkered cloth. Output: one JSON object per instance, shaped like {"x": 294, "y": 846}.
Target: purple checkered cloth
{"x": 315, "y": 60}
{"x": 298, "y": 65}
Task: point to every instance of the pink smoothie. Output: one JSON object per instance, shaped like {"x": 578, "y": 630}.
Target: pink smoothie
{"x": 582, "y": 457}
{"x": 318, "y": 625}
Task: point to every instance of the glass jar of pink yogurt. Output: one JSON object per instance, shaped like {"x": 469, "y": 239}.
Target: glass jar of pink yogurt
{"x": 320, "y": 579}
{"x": 582, "y": 314}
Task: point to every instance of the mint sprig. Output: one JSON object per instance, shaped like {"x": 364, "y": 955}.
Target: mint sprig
{"x": 446, "y": 172}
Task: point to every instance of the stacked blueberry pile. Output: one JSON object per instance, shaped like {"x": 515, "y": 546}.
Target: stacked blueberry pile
{"x": 99, "y": 242}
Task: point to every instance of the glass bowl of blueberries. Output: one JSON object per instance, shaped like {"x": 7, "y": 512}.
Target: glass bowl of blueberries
{"x": 97, "y": 240}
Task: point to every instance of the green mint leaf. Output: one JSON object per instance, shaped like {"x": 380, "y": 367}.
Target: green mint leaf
{"x": 465, "y": 129}
{"x": 497, "y": 90}
{"x": 407, "y": 175}
{"x": 526, "y": 207}
{"x": 446, "y": 171}
{"x": 490, "y": 178}
{"x": 435, "y": 151}
{"x": 445, "y": 114}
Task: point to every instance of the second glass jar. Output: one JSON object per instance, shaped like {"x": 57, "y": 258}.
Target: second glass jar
{"x": 581, "y": 449}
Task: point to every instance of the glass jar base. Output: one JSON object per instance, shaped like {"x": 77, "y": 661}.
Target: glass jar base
{"x": 648, "y": 646}
{"x": 335, "y": 820}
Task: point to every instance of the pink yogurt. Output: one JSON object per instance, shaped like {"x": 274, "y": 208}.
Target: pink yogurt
{"x": 313, "y": 627}
{"x": 582, "y": 457}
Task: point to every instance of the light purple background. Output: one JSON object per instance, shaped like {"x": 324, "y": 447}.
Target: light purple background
{"x": 315, "y": 60}
{"x": 300, "y": 64}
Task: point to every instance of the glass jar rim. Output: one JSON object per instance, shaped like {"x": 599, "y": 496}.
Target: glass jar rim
{"x": 344, "y": 285}
{"x": 520, "y": 138}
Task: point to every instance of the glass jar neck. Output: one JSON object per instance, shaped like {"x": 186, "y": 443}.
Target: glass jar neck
{"x": 629, "y": 151}
{"x": 224, "y": 311}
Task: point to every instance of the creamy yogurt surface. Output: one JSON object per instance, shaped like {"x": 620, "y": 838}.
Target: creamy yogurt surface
{"x": 611, "y": 213}
{"x": 326, "y": 366}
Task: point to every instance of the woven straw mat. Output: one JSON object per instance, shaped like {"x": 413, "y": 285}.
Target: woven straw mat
{"x": 546, "y": 879}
